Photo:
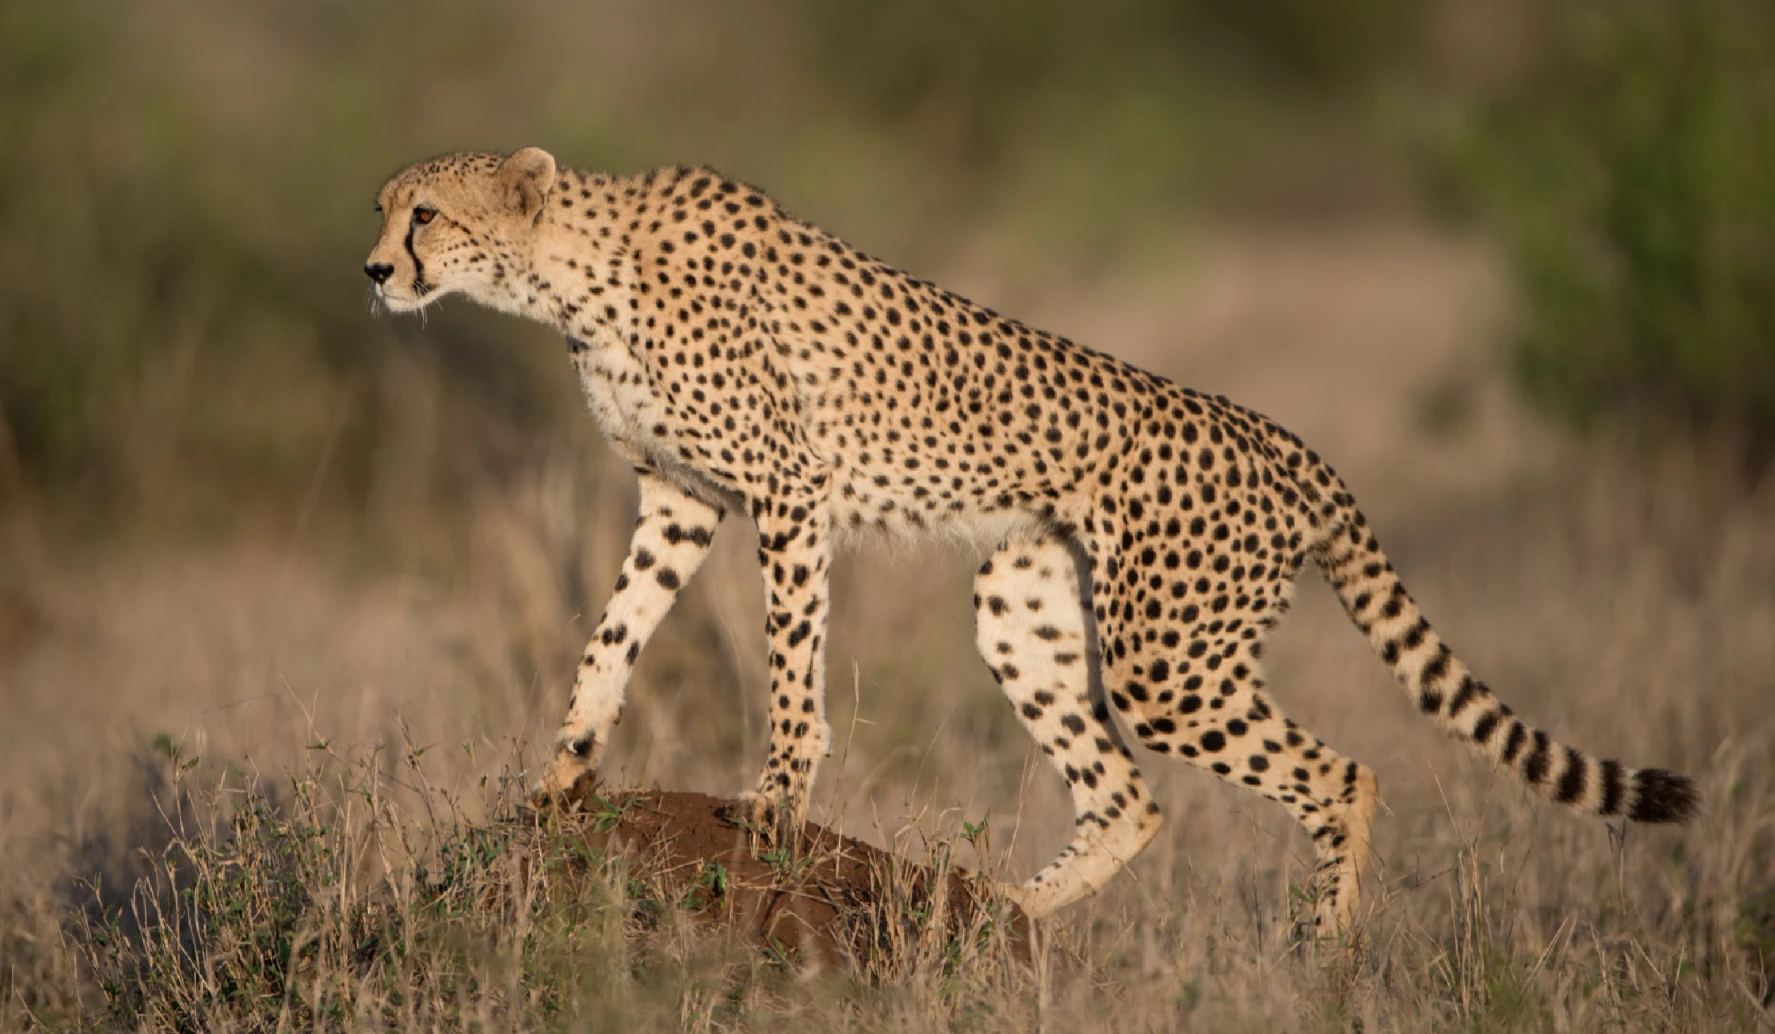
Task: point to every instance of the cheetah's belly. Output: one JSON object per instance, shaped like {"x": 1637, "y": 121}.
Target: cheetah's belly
{"x": 865, "y": 509}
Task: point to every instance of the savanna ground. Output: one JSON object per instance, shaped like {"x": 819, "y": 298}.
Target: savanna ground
{"x": 290, "y": 594}
{"x": 293, "y": 737}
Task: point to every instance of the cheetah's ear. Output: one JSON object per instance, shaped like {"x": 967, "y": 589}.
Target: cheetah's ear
{"x": 525, "y": 178}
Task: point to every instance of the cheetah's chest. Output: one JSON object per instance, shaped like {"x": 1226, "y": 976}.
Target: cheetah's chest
{"x": 620, "y": 394}
{"x": 640, "y": 422}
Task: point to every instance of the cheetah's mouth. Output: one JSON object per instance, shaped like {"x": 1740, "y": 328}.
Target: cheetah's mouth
{"x": 417, "y": 295}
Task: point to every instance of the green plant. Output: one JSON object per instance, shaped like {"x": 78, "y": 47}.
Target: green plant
{"x": 710, "y": 883}
{"x": 1633, "y": 187}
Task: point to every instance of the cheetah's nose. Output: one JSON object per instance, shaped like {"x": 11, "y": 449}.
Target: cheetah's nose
{"x": 378, "y": 271}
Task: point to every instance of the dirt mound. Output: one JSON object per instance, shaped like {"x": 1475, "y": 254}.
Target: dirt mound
{"x": 831, "y": 898}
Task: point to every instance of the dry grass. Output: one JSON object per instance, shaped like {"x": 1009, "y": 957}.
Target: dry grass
{"x": 286, "y": 731}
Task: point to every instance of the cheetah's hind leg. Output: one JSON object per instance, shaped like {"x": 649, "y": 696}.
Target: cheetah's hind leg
{"x": 1183, "y": 668}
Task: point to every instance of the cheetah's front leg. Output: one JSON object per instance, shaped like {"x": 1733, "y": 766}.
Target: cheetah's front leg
{"x": 672, "y": 536}
{"x": 793, "y": 553}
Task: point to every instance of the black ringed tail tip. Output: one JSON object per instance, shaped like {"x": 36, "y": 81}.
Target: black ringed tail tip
{"x": 1660, "y": 796}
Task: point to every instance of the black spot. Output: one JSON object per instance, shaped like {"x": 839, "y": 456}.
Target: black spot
{"x": 1571, "y": 782}
{"x": 1513, "y": 745}
{"x": 1611, "y": 787}
{"x": 1463, "y": 696}
{"x": 1435, "y": 668}
{"x": 668, "y": 579}
{"x": 1534, "y": 769}
{"x": 1212, "y": 741}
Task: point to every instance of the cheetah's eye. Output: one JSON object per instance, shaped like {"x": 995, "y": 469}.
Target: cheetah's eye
{"x": 424, "y": 215}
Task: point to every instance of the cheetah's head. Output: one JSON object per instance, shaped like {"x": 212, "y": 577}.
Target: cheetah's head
{"x": 464, "y": 223}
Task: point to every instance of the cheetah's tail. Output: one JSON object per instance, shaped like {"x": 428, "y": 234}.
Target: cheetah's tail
{"x": 1465, "y": 707}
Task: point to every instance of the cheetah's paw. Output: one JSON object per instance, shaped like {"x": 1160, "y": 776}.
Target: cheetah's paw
{"x": 571, "y": 776}
{"x": 754, "y": 811}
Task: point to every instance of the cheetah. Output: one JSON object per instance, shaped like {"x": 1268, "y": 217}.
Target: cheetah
{"x": 1144, "y": 537}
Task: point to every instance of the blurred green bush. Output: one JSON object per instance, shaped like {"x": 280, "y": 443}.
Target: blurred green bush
{"x": 1631, "y": 181}
{"x": 183, "y": 327}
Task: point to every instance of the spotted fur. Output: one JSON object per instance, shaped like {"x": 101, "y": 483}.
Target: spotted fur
{"x": 1148, "y": 536}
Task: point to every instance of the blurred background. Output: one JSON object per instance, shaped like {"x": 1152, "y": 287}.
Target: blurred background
{"x": 1507, "y": 264}
{"x": 185, "y": 184}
